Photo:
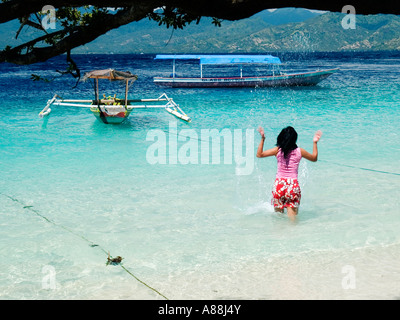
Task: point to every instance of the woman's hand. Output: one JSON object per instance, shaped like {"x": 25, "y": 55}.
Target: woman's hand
{"x": 317, "y": 136}
{"x": 261, "y": 131}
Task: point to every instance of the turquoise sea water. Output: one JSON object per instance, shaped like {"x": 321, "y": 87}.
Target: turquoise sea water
{"x": 72, "y": 188}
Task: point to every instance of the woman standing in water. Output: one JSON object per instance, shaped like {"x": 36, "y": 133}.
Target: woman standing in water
{"x": 286, "y": 192}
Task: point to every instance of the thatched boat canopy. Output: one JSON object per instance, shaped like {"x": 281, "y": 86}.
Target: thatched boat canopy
{"x": 110, "y": 74}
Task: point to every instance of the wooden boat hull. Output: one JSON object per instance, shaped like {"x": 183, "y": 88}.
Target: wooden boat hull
{"x": 111, "y": 114}
{"x": 284, "y": 80}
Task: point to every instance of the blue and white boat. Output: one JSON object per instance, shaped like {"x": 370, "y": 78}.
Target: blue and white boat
{"x": 274, "y": 77}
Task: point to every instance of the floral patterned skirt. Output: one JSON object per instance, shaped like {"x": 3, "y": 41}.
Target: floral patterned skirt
{"x": 286, "y": 193}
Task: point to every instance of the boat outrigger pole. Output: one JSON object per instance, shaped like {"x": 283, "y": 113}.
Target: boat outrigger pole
{"x": 112, "y": 109}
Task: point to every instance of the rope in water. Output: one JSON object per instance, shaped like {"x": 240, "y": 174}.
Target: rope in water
{"x": 360, "y": 168}
{"x": 92, "y": 244}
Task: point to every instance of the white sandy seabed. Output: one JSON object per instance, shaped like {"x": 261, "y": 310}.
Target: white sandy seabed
{"x": 365, "y": 273}
{"x": 369, "y": 273}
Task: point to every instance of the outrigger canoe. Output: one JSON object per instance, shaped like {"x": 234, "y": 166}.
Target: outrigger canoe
{"x": 112, "y": 110}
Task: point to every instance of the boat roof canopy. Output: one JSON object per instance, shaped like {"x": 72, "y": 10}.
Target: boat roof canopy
{"x": 222, "y": 59}
{"x": 110, "y": 74}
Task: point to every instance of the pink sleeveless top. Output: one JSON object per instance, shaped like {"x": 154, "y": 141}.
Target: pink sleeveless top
{"x": 288, "y": 168}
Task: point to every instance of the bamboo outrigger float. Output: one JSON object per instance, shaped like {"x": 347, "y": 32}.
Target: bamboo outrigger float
{"x": 112, "y": 110}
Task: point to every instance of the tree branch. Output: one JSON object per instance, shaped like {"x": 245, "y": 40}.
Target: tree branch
{"x": 76, "y": 37}
{"x": 223, "y": 9}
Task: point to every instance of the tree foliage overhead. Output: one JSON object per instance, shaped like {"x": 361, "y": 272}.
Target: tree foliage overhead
{"x": 81, "y": 21}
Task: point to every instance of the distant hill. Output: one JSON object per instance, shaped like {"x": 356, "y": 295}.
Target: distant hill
{"x": 147, "y": 37}
{"x": 266, "y": 31}
{"x": 286, "y": 29}
{"x": 285, "y": 15}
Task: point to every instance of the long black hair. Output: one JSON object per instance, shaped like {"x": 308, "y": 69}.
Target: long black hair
{"x": 286, "y": 140}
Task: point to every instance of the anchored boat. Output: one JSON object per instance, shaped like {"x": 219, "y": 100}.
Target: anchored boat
{"x": 112, "y": 110}
{"x": 274, "y": 78}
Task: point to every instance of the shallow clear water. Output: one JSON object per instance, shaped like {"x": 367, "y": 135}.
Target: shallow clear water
{"x": 200, "y": 230}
